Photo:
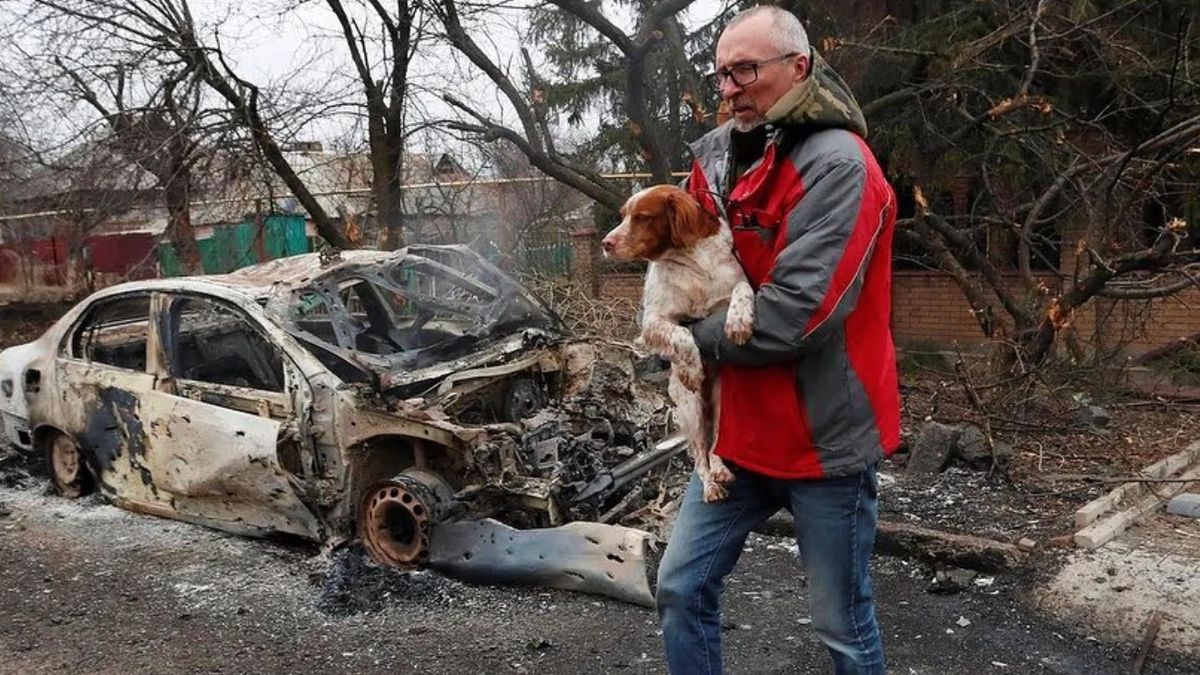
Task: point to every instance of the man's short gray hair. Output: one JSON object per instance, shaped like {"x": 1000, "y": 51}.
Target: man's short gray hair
{"x": 786, "y": 33}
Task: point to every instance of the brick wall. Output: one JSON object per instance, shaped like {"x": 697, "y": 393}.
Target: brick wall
{"x": 1145, "y": 324}
{"x": 929, "y": 307}
{"x": 621, "y": 286}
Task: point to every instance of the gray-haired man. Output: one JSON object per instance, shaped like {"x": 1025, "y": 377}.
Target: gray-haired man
{"x": 811, "y": 403}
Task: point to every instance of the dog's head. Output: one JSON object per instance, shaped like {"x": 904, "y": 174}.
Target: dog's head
{"x": 656, "y": 220}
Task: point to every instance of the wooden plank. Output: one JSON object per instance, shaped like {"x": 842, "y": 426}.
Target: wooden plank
{"x": 960, "y": 550}
{"x": 935, "y": 546}
{"x": 1103, "y": 531}
{"x": 1127, "y": 492}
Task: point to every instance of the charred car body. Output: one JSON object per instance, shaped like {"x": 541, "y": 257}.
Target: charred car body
{"x": 403, "y": 397}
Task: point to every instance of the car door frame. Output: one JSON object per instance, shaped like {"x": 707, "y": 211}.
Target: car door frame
{"x": 215, "y": 448}
{"x": 96, "y": 404}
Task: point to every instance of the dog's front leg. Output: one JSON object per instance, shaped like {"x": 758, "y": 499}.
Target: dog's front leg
{"x": 675, "y": 343}
{"x": 739, "y": 318}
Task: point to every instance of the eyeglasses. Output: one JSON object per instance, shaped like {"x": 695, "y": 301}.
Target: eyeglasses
{"x": 742, "y": 74}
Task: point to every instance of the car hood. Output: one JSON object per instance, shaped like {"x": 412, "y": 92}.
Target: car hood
{"x": 479, "y": 357}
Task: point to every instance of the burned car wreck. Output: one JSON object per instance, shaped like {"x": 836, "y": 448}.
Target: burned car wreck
{"x": 419, "y": 400}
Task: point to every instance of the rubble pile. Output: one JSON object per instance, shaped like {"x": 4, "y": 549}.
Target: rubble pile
{"x": 592, "y": 453}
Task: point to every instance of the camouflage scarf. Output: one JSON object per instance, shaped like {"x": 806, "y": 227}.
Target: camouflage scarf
{"x": 821, "y": 101}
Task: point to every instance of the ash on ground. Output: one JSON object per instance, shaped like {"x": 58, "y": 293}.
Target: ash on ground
{"x": 969, "y": 502}
{"x": 353, "y": 584}
{"x": 19, "y": 470}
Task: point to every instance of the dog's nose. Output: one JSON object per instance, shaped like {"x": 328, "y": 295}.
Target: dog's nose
{"x": 609, "y": 244}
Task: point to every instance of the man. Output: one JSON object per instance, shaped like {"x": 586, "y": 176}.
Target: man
{"x": 811, "y": 403}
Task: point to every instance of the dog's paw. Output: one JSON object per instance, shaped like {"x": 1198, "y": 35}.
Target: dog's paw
{"x": 738, "y": 327}
{"x": 714, "y": 492}
{"x": 720, "y": 474}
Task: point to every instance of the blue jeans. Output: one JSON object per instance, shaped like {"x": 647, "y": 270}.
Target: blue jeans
{"x": 835, "y": 531}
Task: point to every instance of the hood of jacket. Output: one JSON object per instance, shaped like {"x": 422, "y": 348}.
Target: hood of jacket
{"x": 821, "y": 101}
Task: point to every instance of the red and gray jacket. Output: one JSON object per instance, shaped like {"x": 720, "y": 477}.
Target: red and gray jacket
{"x": 814, "y": 392}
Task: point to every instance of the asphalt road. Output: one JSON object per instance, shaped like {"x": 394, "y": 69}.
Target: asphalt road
{"x": 87, "y": 587}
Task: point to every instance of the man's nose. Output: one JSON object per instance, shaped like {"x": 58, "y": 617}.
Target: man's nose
{"x": 729, "y": 88}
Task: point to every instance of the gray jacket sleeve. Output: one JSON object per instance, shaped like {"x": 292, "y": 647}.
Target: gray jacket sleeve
{"x": 816, "y": 279}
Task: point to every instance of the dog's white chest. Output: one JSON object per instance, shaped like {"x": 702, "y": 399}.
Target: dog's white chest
{"x": 692, "y": 288}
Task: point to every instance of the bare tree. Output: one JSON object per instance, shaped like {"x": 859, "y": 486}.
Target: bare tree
{"x": 167, "y": 28}
{"x": 658, "y": 28}
{"x": 164, "y": 136}
{"x": 1044, "y": 151}
{"x": 386, "y": 94}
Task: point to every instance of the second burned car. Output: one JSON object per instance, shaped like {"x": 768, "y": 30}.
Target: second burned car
{"x": 387, "y": 396}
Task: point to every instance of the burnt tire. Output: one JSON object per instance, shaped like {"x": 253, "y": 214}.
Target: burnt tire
{"x": 396, "y": 517}
{"x": 67, "y": 467}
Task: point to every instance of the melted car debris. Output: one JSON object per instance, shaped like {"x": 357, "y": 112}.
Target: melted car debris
{"x": 373, "y": 396}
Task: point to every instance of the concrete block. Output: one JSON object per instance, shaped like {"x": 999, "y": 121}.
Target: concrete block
{"x": 1128, "y": 492}
{"x": 1102, "y": 531}
{"x": 1186, "y": 504}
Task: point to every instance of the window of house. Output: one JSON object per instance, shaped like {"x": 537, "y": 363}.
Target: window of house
{"x": 114, "y": 333}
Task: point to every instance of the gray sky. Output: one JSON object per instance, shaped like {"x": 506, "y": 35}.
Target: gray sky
{"x": 274, "y": 44}
{"x": 297, "y": 44}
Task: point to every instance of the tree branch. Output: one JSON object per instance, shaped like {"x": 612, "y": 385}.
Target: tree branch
{"x": 592, "y": 187}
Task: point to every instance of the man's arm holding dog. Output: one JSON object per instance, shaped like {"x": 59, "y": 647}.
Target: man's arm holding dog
{"x": 817, "y": 277}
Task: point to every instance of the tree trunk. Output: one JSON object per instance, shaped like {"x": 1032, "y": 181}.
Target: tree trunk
{"x": 179, "y": 221}
{"x": 389, "y": 200}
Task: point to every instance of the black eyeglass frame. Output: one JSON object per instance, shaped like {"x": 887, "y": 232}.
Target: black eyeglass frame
{"x": 717, "y": 77}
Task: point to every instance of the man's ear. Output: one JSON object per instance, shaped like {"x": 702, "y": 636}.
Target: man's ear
{"x": 688, "y": 220}
{"x": 803, "y": 68}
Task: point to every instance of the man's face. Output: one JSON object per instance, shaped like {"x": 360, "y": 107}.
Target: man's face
{"x": 746, "y": 43}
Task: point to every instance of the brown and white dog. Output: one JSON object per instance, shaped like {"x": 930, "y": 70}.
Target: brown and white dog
{"x": 692, "y": 273}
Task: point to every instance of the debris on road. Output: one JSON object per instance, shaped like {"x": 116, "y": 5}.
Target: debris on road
{"x": 578, "y": 556}
{"x": 1089, "y": 415}
{"x": 938, "y": 446}
{"x": 961, "y": 550}
{"x": 951, "y": 580}
{"x": 932, "y": 546}
{"x": 1152, "y": 626}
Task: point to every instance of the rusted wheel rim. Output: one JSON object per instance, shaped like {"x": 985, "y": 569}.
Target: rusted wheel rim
{"x": 66, "y": 466}
{"x": 394, "y": 525}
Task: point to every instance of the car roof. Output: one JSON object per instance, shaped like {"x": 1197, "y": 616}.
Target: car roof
{"x": 258, "y": 281}
{"x": 298, "y": 270}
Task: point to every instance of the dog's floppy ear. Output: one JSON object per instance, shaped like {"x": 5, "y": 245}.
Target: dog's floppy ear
{"x": 689, "y": 221}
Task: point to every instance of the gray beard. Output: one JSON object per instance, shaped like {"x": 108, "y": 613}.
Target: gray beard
{"x": 747, "y": 126}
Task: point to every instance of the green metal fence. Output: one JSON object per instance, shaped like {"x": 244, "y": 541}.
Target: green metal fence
{"x": 239, "y": 245}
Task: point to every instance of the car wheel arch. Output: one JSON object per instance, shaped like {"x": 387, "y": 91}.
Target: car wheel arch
{"x": 44, "y": 433}
{"x": 386, "y": 455}
{"x": 44, "y": 436}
